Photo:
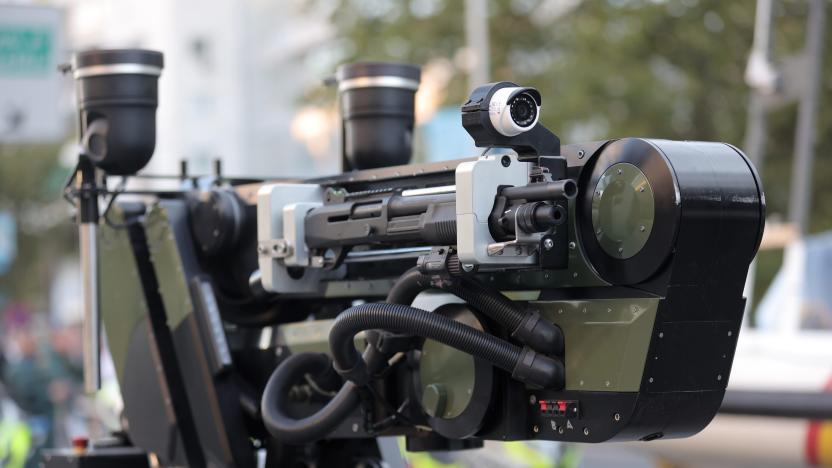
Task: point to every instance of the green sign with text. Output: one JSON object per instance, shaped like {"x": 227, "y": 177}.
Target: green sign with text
{"x": 25, "y": 50}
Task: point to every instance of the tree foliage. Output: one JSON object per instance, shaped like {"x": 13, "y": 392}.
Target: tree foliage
{"x": 667, "y": 69}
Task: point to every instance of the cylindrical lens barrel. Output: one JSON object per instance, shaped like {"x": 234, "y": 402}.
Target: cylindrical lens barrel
{"x": 377, "y": 106}
{"x": 117, "y": 98}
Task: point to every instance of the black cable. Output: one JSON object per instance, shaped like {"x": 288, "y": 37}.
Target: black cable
{"x": 526, "y": 327}
{"x": 523, "y": 363}
{"x": 316, "y": 426}
{"x": 487, "y": 301}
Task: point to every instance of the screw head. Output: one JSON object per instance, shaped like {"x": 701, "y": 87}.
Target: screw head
{"x": 548, "y": 243}
{"x": 586, "y": 431}
{"x": 505, "y": 161}
{"x": 581, "y": 154}
{"x": 532, "y": 399}
{"x": 616, "y": 417}
{"x": 536, "y": 429}
{"x": 572, "y": 245}
{"x": 467, "y": 267}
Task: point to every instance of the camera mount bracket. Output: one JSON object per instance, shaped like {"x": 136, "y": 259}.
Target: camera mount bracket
{"x": 538, "y": 141}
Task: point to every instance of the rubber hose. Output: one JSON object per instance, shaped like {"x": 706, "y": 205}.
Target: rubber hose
{"x": 316, "y": 426}
{"x": 491, "y": 303}
{"x": 408, "y": 286}
{"x": 404, "y": 319}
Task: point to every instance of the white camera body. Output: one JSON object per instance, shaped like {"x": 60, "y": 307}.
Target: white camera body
{"x": 514, "y": 110}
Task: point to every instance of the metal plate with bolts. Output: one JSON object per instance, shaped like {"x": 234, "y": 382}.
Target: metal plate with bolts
{"x": 623, "y": 210}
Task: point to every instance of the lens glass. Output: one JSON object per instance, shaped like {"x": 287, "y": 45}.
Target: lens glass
{"x": 523, "y": 110}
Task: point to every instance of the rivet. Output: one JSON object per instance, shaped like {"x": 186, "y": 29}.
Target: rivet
{"x": 586, "y": 431}
{"x": 719, "y": 377}
{"x": 730, "y": 333}
{"x": 355, "y": 427}
{"x": 650, "y": 380}
{"x": 616, "y": 417}
{"x": 532, "y": 399}
{"x": 661, "y": 334}
{"x": 536, "y": 429}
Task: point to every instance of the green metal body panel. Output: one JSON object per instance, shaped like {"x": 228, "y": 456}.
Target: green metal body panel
{"x": 606, "y": 340}
{"x": 447, "y": 376}
{"x": 311, "y": 337}
{"x": 168, "y": 267}
{"x": 123, "y": 306}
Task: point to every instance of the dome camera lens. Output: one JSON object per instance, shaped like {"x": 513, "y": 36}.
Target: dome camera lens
{"x": 523, "y": 110}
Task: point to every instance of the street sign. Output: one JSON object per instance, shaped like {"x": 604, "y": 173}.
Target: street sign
{"x": 31, "y": 43}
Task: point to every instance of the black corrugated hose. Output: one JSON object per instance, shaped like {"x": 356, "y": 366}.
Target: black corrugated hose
{"x": 526, "y": 327}
{"x": 316, "y": 426}
{"x": 524, "y": 364}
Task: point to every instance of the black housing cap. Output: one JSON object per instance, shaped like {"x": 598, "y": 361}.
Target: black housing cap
{"x": 93, "y": 57}
{"x": 377, "y": 103}
{"x": 361, "y": 69}
{"x": 117, "y": 94}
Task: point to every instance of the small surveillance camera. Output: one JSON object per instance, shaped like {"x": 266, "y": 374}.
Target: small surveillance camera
{"x": 505, "y": 115}
{"x": 514, "y": 110}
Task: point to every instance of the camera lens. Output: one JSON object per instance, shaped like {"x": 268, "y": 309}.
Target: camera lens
{"x": 523, "y": 110}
